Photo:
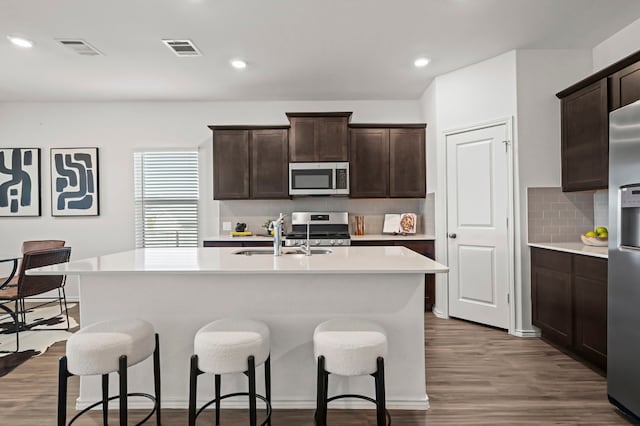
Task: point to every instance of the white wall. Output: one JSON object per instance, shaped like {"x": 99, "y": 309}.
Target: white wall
{"x": 540, "y": 75}
{"x": 118, "y": 129}
{"x": 473, "y": 95}
{"x": 621, "y": 44}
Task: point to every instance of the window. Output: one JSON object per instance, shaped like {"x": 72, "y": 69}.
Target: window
{"x": 166, "y": 191}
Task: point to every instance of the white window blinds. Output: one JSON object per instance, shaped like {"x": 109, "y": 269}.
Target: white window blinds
{"x": 166, "y": 191}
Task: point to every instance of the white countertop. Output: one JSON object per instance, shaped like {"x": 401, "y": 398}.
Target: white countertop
{"x": 367, "y": 237}
{"x": 342, "y": 260}
{"x": 576, "y": 248}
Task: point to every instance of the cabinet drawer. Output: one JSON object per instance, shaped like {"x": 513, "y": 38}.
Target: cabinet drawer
{"x": 550, "y": 259}
{"x": 590, "y": 267}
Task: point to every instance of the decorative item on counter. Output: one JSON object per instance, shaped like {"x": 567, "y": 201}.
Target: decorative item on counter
{"x": 241, "y": 227}
{"x": 268, "y": 226}
{"x": 359, "y": 225}
{"x": 241, "y": 230}
{"x": 404, "y": 223}
{"x": 598, "y": 238}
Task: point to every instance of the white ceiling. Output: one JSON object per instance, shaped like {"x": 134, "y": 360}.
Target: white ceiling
{"x": 296, "y": 49}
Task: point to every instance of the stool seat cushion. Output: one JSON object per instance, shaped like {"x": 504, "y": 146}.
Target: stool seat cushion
{"x": 96, "y": 349}
{"x": 224, "y": 346}
{"x": 351, "y": 347}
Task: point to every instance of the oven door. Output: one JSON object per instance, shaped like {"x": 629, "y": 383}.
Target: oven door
{"x": 311, "y": 179}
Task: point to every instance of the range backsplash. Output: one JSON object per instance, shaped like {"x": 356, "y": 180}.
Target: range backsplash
{"x": 255, "y": 212}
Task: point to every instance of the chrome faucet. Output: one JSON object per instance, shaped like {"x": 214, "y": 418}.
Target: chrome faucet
{"x": 306, "y": 249}
{"x": 278, "y": 225}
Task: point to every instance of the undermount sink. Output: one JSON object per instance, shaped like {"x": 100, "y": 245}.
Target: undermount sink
{"x": 251, "y": 252}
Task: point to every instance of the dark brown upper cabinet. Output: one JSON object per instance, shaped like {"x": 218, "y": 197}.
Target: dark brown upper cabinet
{"x": 407, "y": 167}
{"x": 230, "y": 164}
{"x": 625, "y": 86}
{"x": 585, "y": 108}
{"x": 250, "y": 162}
{"x": 387, "y": 162}
{"x": 318, "y": 136}
{"x": 585, "y": 138}
{"x": 269, "y": 165}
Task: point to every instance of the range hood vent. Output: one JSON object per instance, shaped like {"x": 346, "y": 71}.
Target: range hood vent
{"x": 182, "y": 47}
{"x": 81, "y": 47}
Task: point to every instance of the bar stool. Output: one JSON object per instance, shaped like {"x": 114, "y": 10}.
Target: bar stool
{"x": 109, "y": 347}
{"x": 230, "y": 346}
{"x": 350, "y": 347}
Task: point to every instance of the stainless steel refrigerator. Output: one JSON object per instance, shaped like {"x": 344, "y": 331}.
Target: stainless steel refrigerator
{"x": 623, "y": 324}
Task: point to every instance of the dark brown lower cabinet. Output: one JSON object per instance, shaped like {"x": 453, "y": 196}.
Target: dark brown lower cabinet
{"x": 569, "y": 302}
{"x": 425, "y": 248}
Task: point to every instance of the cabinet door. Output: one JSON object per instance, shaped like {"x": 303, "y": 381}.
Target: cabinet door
{"x": 269, "y": 164}
{"x": 302, "y": 139}
{"x": 552, "y": 303}
{"x": 625, "y": 86}
{"x": 369, "y": 166}
{"x": 590, "y": 287}
{"x": 331, "y": 141}
{"x": 407, "y": 166}
{"x": 585, "y": 139}
{"x": 230, "y": 164}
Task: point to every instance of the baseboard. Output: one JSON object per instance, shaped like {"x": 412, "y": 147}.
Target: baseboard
{"x": 526, "y": 333}
{"x": 281, "y": 404}
{"x": 439, "y": 313}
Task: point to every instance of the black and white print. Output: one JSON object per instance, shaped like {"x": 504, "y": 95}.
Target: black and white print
{"x": 74, "y": 182}
{"x": 19, "y": 182}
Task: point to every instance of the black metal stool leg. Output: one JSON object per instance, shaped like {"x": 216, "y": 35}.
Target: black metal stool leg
{"x": 252, "y": 391}
{"x": 267, "y": 383}
{"x": 63, "y": 374}
{"x": 105, "y": 399}
{"x": 319, "y": 391}
{"x": 193, "y": 387}
{"x": 122, "y": 371}
{"x": 380, "y": 394}
{"x": 156, "y": 377}
{"x": 217, "y": 384}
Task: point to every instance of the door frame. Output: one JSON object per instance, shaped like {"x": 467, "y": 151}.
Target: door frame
{"x": 442, "y": 280}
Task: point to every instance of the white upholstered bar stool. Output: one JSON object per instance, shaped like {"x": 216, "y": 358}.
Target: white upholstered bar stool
{"x": 230, "y": 346}
{"x": 109, "y": 347}
{"x": 350, "y": 347}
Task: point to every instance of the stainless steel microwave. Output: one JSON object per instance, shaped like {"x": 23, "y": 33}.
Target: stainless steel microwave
{"x": 319, "y": 178}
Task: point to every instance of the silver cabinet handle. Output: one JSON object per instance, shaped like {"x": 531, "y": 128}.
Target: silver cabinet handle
{"x": 452, "y": 235}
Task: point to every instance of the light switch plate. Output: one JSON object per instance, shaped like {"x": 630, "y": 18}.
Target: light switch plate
{"x": 226, "y": 226}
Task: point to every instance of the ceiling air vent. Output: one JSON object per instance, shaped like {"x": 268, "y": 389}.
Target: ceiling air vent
{"x": 182, "y": 47}
{"x": 81, "y": 47}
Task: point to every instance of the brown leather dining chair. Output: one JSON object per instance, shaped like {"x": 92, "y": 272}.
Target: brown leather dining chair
{"x": 33, "y": 285}
{"x": 32, "y": 245}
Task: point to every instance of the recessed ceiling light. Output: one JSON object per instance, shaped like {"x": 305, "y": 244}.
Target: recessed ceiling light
{"x": 238, "y": 64}
{"x": 20, "y": 41}
{"x": 421, "y": 62}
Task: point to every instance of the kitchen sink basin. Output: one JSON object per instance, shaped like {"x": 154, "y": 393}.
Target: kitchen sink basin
{"x": 251, "y": 252}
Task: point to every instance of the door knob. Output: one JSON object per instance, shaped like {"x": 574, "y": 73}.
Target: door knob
{"x": 452, "y": 235}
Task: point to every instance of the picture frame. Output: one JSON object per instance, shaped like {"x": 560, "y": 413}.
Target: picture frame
{"x": 75, "y": 182}
{"x": 20, "y": 182}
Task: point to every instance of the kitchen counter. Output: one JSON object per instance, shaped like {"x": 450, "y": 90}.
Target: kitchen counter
{"x": 391, "y": 237}
{"x": 576, "y": 248}
{"x": 226, "y": 237}
{"x": 179, "y": 290}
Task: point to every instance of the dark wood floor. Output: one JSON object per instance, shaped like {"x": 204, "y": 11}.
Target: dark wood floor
{"x": 475, "y": 376}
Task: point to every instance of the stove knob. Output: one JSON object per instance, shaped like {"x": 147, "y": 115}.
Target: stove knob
{"x": 316, "y": 242}
{"x": 339, "y": 242}
{"x": 332, "y": 242}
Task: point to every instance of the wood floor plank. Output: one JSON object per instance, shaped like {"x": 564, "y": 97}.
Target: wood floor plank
{"x": 475, "y": 376}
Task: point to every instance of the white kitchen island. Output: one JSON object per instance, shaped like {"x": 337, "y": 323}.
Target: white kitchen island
{"x": 179, "y": 290}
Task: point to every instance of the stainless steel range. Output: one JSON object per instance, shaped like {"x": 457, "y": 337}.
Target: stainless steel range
{"x": 325, "y": 229}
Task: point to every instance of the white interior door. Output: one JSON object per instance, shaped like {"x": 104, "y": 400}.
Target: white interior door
{"x": 477, "y": 214}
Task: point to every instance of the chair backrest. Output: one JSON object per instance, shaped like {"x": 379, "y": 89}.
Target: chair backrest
{"x": 41, "y": 245}
{"x": 31, "y": 285}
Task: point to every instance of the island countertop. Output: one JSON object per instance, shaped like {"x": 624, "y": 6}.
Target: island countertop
{"x": 341, "y": 260}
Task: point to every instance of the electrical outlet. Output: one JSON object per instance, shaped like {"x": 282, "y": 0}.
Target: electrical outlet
{"x": 226, "y": 226}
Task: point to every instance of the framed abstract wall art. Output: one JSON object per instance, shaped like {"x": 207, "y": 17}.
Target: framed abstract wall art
{"x": 19, "y": 182}
{"x": 74, "y": 182}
